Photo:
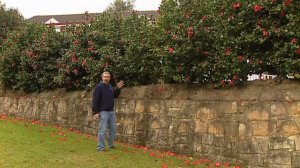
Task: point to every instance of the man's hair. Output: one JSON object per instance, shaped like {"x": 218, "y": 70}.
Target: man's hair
{"x": 105, "y": 72}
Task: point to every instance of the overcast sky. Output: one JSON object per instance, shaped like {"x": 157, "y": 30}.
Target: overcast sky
{"x": 29, "y": 8}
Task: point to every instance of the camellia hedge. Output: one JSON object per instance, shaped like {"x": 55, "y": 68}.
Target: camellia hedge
{"x": 194, "y": 41}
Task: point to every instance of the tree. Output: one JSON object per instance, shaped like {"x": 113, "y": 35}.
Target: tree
{"x": 120, "y": 6}
{"x": 10, "y": 18}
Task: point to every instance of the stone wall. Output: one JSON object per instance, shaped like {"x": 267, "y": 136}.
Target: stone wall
{"x": 254, "y": 126}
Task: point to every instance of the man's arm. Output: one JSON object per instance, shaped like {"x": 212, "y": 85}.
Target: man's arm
{"x": 117, "y": 91}
{"x": 96, "y": 99}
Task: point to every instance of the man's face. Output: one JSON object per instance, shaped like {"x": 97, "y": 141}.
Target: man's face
{"x": 106, "y": 78}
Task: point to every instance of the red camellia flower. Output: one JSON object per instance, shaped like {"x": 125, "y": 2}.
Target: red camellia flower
{"x": 83, "y": 62}
{"x": 74, "y": 59}
{"x": 294, "y": 41}
{"x": 217, "y": 164}
{"x": 228, "y": 50}
{"x": 240, "y": 58}
{"x": 90, "y": 49}
{"x": 226, "y": 164}
{"x": 231, "y": 83}
{"x": 282, "y": 13}
{"x": 222, "y": 82}
{"x": 273, "y": 1}
{"x": 206, "y": 29}
{"x": 164, "y": 166}
{"x": 76, "y": 42}
{"x": 206, "y": 53}
{"x": 90, "y": 42}
{"x": 171, "y": 50}
{"x": 235, "y": 77}
{"x": 298, "y": 51}
{"x": 152, "y": 154}
{"x": 190, "y": 32}
{"x": 265, "y": 33}
{"x": 236, "y": 5}
{"x": 197, "y": 50}
{"x": 287, "y": 2}
{"x": 161, "y": 89}
{"x": 257, "y": 8}
{"x": 75, "y": 71}
{"x": 174, "y": 36}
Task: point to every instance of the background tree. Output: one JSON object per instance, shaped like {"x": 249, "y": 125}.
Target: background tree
{"x": 120, "y": 6}
{"x": 10, "y": 18}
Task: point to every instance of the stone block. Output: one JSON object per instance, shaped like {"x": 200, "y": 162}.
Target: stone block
{"x": 257, "y": 114}
{"x": 155, "y": 124}
{"x": 159, "y": 92}
{"x": 127, "y": 106}
{"x": 136, "y": 92}
{"x": 205, "y": 113}
{"x": 261, "y": 145}
{"x": 216, "y": 128}
{"x": 278, "y": 109}
{"x": 184, "y": 127}
{"x": 250, "y": 93}
{"x": 129, "y": 129}
{"x": 152, "y": 136}
{"x": 218, "y": 141}
{"x": 222, "y": 108}
{"x": 184, "y": 109}
{"x": 258, "y": 160}
{"x": 207, "y": 139}
{"x": 200, "y": 94}
{"x": 229, "y": 94}
{"x": 260, "y": 128}
{"x": 164, "y": 140}
{"x": 231, "y": 130}
{"x": 295, "y": 109}
{"x": 254, "y": 146}
{"x": 281, "y": 143}
{"x": 270, "y": 94}
{"x": 280, "y": 166}
{"x": 297, "y": 142}
{"x": 216, "y": 151}
{"x": 181, "y": 140}
{"x": 296, "y": 159}
{"x": 288, "y": 96}
{"x": 279, "y": 157}
{"x": 182, "y": 149}
{"x": 198, "y": 139}
{"x": 140, "y": 106}
{"x": 229, "y": 153}
{"x": 200, "y": 126}
{"x": 288, "y": 128}
{"x": 180, "y": 92}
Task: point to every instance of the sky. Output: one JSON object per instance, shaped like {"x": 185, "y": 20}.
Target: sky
{"x": 29, "y": 8}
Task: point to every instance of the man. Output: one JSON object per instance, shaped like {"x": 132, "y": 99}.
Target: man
{"x": 103, "y": 104}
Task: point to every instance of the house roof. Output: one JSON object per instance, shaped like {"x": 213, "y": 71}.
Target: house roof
{"x": 81, "y": 18}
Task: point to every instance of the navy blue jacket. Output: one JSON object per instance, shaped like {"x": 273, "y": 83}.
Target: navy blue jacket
{"x": 103, "y": 97}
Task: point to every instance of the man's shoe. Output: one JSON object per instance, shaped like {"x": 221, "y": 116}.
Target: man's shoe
{"x": 101, "y": 150}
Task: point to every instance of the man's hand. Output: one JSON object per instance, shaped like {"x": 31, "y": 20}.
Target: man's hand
{"x": 96, "y": 116}
{"x": 120, "y": 84}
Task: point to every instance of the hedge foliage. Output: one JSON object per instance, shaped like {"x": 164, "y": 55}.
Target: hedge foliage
{"x": 194, "y": 41}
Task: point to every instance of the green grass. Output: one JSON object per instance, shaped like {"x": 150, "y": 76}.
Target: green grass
{"x": 33, "y": 144}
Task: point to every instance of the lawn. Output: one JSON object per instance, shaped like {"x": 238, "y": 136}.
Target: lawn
{"x": 25, "y": 143}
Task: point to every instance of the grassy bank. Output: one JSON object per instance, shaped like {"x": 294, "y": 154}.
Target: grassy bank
{"x": 26, "y": 143}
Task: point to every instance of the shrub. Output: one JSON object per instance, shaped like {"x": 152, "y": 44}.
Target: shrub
{"x": 28, "y": 61}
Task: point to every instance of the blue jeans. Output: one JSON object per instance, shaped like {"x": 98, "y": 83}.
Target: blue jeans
{"x": 107, "y": 120}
